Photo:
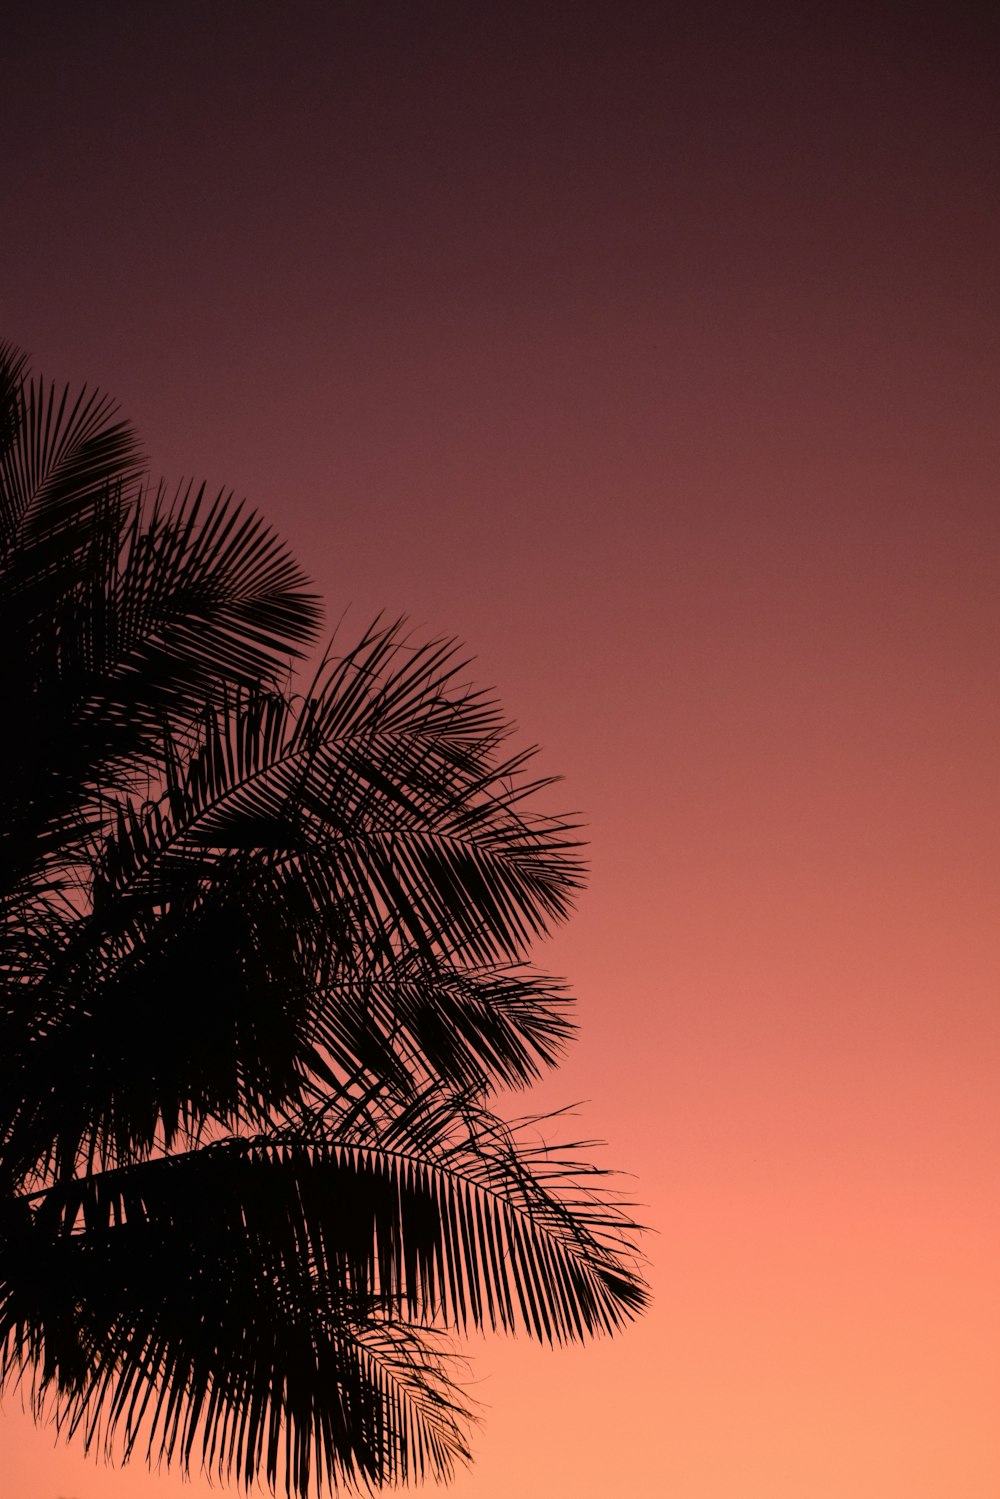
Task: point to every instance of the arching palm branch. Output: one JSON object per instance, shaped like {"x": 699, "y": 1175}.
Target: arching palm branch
{"x": 263, "y": 963}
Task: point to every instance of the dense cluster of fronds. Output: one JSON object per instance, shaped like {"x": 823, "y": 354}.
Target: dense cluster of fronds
{"x": 263, "y": 961}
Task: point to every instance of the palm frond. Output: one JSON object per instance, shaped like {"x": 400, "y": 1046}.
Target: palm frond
{"x": 210, "y": 586}
{"x": 473, "y": 1029}
{"x": 155, "y": 1327}
{"x": 436, "y": 1206}
{"x": 62, "y": 458}
{"x": 119, "y": 612}
{"x": 409, "y": 819}
{"x": 308, "y": 1265}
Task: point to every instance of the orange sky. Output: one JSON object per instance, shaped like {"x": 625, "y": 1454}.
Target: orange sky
{"x": 652, "y": 351}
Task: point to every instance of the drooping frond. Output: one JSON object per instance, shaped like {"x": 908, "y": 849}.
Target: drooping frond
{"x": 298, "y": 1255}
{"x": 159, "y": 1324}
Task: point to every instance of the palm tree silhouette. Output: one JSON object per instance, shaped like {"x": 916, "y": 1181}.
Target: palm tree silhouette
{"x": 263, "y": 965}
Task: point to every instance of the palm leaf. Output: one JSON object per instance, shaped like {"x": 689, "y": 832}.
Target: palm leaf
{"x": 246, "y": 1361}
{"x": 118, "y": 612}
{"x": 412, "y": 821}
{"x": 310, "y": 1253}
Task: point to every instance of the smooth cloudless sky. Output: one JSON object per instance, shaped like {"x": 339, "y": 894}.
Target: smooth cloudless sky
{"x": 653, "y": 351}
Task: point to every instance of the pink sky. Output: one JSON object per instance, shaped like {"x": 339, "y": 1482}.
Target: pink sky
{"x": 654, "y": 355}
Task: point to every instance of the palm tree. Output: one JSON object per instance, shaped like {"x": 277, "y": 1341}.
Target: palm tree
{"x": 264, "y": 963}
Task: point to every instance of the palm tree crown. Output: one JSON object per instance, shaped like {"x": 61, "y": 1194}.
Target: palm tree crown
{"x": 263, "y": 964}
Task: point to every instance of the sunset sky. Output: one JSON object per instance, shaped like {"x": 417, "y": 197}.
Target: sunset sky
{"x": 651, "y": 350}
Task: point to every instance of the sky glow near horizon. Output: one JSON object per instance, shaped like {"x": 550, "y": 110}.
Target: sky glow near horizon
{"x": 652, "y": 352}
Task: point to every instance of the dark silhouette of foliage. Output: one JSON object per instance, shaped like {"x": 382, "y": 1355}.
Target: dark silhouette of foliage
{"x": 264, "y": 963}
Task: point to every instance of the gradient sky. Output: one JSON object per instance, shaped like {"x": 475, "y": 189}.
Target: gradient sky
{"x": 653, "y": 351}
